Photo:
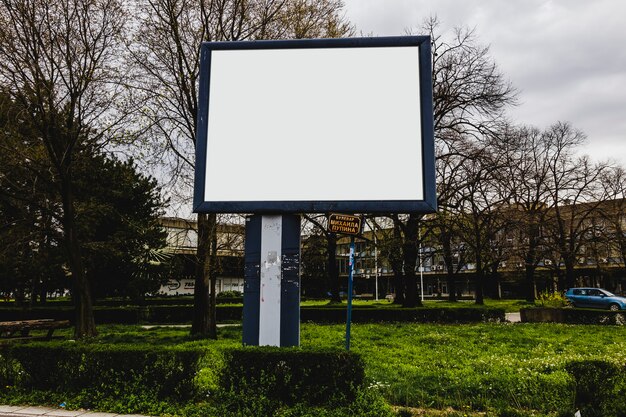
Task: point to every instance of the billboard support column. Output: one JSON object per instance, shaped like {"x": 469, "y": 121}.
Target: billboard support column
{"x": 271, "y": 315}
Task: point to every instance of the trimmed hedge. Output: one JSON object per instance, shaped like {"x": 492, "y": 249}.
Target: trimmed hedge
{"x": 184, "y": 314}
{"x": 419, "y": 315}
{"x": 293, "y": 376}
{"x": 600, "y": 388}
{"x": 572, "y": 316}
{"x": 121, "y": 315}
{"x": 101, "y": 370}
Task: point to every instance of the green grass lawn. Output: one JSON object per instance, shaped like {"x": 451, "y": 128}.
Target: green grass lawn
{"x": 468, "y": 368}
{"x": 480, "y": 366}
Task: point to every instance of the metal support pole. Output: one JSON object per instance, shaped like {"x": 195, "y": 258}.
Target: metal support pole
{"x": 421, "y": 267}
{"x": 351, "y": 269}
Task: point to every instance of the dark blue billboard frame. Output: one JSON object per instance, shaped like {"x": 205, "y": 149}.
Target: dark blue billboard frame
{"x": 427, "y": 205}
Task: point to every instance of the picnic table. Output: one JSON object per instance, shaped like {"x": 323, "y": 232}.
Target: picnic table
{"x": 23, "y": 327}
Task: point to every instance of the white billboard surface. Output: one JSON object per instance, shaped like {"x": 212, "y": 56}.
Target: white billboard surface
{"x": 314, "y": 124}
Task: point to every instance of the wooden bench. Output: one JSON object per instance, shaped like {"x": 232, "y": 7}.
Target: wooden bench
{"x": 23, "y": 327}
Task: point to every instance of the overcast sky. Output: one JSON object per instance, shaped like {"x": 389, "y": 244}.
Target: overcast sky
{"x": 566, "y": 57}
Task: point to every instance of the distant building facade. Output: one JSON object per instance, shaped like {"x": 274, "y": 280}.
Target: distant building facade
{"x": 599, "y": 257}
{"x": 182, "y": 241}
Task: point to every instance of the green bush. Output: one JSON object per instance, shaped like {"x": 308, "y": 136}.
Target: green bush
{"x": 281, "y": 376}
{"x": 600, "y": 388}
{"x": 9, "y": 369}
{"x": 317, "y": 314}
{"x": 417, "y": 315}
{"x": 99, "y": 371}
{"x": 184, "y": 314}
{"x": 552, "y": 299}
{"x": 230, "y": 294}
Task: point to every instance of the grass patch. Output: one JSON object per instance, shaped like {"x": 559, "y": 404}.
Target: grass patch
{"x": 431, "y": 369}
{"x": 481, "y": 366}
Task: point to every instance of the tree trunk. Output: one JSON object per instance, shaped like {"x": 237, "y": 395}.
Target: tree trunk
{"x": 496, "y": 281}
{"x": 212, "y": 279}
{"x": 333, "y": 273}
{"x": 203, "y": 325}
{"x": 529, "y": 274}
{"x": 480, "y": 273}
{"x": 450, "y": 272}
{"x": 409, "y": 253}
{"x": 480, "y": 282}
{"x": 43, "y": 293}
{"x": 531, "y": 262}
{"x": 85, "y": 325}
{"x": 395, "y": 261}
{"x": 529, "y": 281}
{"x": 570, "y": 276}
{"x": 410, "y": 290}
{"x": 398, "y": 279}
{"x": 44, "y": 244}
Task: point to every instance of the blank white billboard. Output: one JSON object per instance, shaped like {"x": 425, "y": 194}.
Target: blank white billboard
{"x": 312, "y": 128}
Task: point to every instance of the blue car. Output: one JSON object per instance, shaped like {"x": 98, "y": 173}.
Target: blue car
{"x": 595, "y": 298}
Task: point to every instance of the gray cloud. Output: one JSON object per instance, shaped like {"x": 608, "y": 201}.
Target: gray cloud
{"x": 565, "y": 56}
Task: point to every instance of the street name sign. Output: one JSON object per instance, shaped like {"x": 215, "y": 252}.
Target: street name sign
{"x": 344, "y": 223}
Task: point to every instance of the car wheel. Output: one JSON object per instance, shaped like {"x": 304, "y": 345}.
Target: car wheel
{"x": 614, "y": 307}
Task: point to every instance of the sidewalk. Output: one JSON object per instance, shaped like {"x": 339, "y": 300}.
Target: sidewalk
{"x": 27, "y": 411}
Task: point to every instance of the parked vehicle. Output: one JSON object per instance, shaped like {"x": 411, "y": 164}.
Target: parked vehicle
{"x": 595, "y": 298}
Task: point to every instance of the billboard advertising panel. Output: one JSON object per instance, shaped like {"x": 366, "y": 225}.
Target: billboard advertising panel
{"x": 315, "y": 126}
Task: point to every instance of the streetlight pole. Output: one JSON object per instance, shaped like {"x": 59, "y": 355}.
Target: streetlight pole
{"x": 375, "y": 261}
{"x": 350, "y": 278}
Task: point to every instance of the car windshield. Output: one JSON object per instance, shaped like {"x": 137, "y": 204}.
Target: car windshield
{"x": 608, "y": 294}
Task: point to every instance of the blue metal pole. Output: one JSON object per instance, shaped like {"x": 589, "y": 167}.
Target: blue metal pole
{"x": 351, "y": 270}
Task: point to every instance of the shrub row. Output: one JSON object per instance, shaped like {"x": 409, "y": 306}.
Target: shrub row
{"x": 251, "y": 379}
{"x": 138, "y": 377}
{"x": 421, "y": 315}
{"x": 600, "y": 387}
{"x": 291, "y": 376}
{"x": 122, "y": 315}
{"x": 101, "y": 370}
{"x": 572, "y": 316}
{"x": 184, "y": 314}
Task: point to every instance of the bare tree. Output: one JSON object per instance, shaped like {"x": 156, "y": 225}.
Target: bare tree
{"x": 320, "y": 222}
{"x": 613, "y": 214}
{"x": 528, "y": 154}
{"x": 390, "y": 243}
{"x": 480, "y": 213}
{"x": 574, "y": 197}
{"x": 470, "y": 96}
{"x": 406, "y": 234}
{"x": 59, "y": 60}
{"x": 166, "y": 57}
{"x": 444, "y": 224}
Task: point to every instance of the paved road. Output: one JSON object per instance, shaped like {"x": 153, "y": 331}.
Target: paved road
{"x": 25, "y": 411}
{"x": 513, "y": 317}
